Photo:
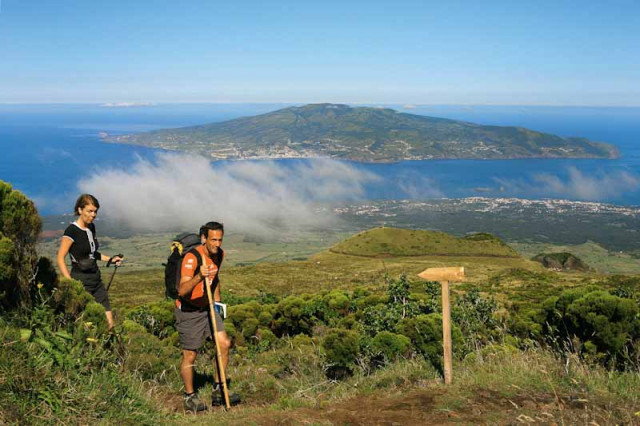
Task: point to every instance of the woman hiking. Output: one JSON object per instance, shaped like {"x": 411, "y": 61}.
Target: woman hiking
{"x": 81, "y": 242}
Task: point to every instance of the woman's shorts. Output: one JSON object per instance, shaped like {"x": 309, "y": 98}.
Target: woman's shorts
{"x": 92, "y": 282}
{"x": 194, "y": 327}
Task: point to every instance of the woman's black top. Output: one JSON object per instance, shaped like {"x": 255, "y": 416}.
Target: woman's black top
{"x": 85, "y": 242}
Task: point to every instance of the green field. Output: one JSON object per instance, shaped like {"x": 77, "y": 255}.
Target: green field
{"x": 594, "y": 255}
{"x": 404, "y": 242}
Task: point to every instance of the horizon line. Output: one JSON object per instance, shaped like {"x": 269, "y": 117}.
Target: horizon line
{"x": 405, "y": 105}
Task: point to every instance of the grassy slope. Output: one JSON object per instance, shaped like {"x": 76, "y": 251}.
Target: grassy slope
{"x": 404, "y": 242}
{"x": 503, "y": 277}
{"x": 490, "y": 386}
{"x": 591, "y": 253}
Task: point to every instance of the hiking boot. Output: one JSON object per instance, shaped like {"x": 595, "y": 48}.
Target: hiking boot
{"x": 218, "y": 400}
{"x": 194, "y": 403}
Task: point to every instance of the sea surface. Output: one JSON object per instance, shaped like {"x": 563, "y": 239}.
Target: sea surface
{"x": 46, "y": 150}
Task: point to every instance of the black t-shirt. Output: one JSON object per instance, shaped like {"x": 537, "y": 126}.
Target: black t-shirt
{"x": 85, "y": 242}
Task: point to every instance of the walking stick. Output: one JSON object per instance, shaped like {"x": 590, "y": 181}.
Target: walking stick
{"x": 113, "y": 274}
{"x": 218, "y": 361}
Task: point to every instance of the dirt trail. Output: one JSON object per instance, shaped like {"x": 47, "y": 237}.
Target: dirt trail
{"x": 428, "y": 406}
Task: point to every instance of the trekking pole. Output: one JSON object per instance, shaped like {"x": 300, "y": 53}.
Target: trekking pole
{"x": 218, "y": 361}
{"x": 115, "y": 268}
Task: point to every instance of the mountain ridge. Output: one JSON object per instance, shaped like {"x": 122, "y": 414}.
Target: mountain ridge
{"x": 362, "y": 134}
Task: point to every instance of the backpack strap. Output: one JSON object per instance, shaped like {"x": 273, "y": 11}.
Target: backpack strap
{"x": 199, "y": 259}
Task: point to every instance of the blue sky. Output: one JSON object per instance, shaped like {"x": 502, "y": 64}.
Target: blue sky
{"x": 396, "y": 52}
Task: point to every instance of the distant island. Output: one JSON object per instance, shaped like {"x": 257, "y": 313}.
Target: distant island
{"x": 362, "y": 134}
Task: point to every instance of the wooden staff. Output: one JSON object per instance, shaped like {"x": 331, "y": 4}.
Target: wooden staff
{"x": 218, "y": 361}
{"x": 444, "y": 275}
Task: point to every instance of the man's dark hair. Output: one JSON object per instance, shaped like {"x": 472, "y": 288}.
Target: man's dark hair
{"x": 210, "y": 226}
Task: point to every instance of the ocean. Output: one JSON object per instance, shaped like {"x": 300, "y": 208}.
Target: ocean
{"x": 46, "y": 150}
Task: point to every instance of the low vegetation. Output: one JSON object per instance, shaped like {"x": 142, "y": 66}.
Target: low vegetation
{"x": 335, "y": 339}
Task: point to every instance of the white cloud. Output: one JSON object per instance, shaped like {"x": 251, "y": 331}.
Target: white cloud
{"x": 419, "y": 187}
{"x": 577, "y": 185}
{"x": 178, "y": 191}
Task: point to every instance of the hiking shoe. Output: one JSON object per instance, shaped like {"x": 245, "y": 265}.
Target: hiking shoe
{"x": 194, "y": 403}
{"x": 218, "y": 400}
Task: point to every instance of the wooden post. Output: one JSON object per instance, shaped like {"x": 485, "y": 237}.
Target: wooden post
{"x": 444, "y": 275}
{"x": 446, "y": 333}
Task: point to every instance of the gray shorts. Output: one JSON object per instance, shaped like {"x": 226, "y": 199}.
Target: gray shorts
{"x": 194, "y": 327}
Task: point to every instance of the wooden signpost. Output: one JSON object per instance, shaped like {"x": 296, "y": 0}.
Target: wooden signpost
{"x": 444, "y": 276}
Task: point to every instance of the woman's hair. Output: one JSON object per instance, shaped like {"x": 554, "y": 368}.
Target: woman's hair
{"x": 83, "y": 201}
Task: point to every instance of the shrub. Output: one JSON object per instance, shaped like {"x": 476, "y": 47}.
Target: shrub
{"x": 70, "y": 297}
{"x": 291, "y": 318}
{"x": 425, "y": 332}
{"x": 301, "y": 340}
{"x": 231, "y": 331}
{"x": 148, "y": 358}
{"x": 327, "y": 307}
{"x": 20, "y": 226}
{"x": 157, "y": 318}
{"x": 341, "y": 350}
{"x": 337, "y": 301}
{"x": 247, "y": 318}
{"x": 265, "y": 339}
{"x": 130, "y": 326}
{"x": 474, "y": 315}
{"x": 379, "y": 318}
{"x": 7, "y": 270}
{"x": 45, "y": 275}
{"x": 390, "y": 345}
{"x": 94, "y": 314}
{"x": 605, "y": 324}
{"x": 609, "y": 322}
{"x": 373, "y": 299}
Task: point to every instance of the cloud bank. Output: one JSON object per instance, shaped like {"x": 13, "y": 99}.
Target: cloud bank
{"x": 177, "y": 191}
{"x": 576, "y": 185}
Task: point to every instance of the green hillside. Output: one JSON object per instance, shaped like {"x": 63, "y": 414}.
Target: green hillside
{"x": 404, "y": 242}
{"x": 363, "y": 134}
{"x": 332, "y": 339}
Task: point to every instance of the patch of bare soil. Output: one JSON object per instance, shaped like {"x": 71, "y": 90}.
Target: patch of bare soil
{"x": 411, "y": 408}
{"x": 426, "y": 407}
{"x": 535, "y": 408}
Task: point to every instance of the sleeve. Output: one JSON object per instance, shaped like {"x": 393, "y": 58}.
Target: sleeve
{"x": 69, "y": 233}
{"x": 189, "y": 265}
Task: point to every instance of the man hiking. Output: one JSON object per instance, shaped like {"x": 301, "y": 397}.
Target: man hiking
{"x": 192, "y": 311}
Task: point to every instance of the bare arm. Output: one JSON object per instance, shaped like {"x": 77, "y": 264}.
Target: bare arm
{"x": 65, "y": 245}
{"x": 188, "y": 283}
{"x": 117, "y": 260}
